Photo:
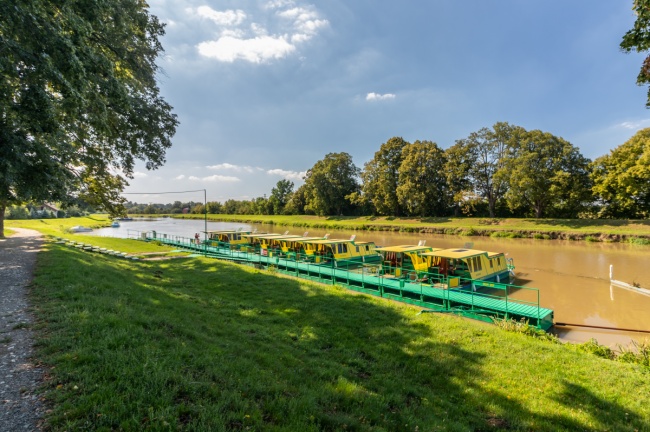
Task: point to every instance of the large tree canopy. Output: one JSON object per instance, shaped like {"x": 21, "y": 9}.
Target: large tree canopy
{"x": 546, "y": 172}
{"x": 329, "y": 185}
{"x": 622, "y": 178}
{"x": 422, "y": 189}
{"x": 486, "y": 152}
{"x": 380, "y": 177}
{"x": 79, "y": 103}
{"x": 638, "y": 39}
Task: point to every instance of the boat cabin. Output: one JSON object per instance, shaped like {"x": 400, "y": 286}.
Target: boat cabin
{"x": 326, "y": 250}
{"x": 404, "y": 259}
{"x": 226, "y": 238}
{"x": 469, "y": 264}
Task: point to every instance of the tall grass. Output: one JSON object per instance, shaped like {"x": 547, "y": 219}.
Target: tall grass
{"x": 200, "y": 344}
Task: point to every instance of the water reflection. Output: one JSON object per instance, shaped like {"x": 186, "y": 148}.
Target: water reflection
{"x": 573, "y": 277}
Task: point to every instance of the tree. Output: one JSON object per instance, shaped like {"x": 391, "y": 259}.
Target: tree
{"x": 638, "y": 39}
{"x": 459, "y": 159}
{"x": 214, "y": 207}
{"x": 280, "y": 195}
{"x": 487, "y": 150}
{"x": 622, "y": 178}
{"x": 422, "y": 189}
{"x": 545, "y": 172}
{"x": 79, "y": 103}
{"x": 380, "y": 177}
{"x": 329, "y": 183}
{"x": 297, "y": 202}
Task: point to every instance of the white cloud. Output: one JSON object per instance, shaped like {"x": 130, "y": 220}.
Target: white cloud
{"x": 225, "y": 18}
{"x": 216, "y": 178}
{"x": 634, "y": 124}
{"x": 276, "y": 4}
{"x": 227, "y": 166}
{"x": 377, "y": 96}
{"x": 256, "y": 50}
{"x": 180, "y": 177}
{"x": 287, "y": 174}
{"x": 286, "y": 27}
{"x": 138, "y": 174}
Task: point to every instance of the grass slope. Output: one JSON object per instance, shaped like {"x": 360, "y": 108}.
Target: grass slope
{"x": 200, "y": 344}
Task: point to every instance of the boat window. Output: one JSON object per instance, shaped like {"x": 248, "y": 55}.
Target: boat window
{"x": 491, "y": 263}
{"x": 367, "y": 248}
{"x": 469, "y": 264}
{"x": 357, "y": 249}
{"x": 477, "y": 264}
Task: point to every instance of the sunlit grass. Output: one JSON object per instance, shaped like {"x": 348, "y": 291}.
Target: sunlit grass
{"x": 205, "y": 345}
{"x": 59, "y": 227}
{"x": 482, "y": 226}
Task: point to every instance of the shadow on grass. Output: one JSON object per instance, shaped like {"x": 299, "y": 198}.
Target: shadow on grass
{"x": 203, "y": 345}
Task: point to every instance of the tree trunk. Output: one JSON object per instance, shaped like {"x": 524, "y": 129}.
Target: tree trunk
{"x": 3, "y": 207}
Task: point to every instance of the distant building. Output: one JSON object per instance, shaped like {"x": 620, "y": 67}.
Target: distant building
{"x": 186, "y": 210}
{"x": 47, "y": 207}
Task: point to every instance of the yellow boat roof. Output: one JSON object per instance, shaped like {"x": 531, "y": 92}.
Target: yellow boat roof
{"x": 406, "y": 248}
{"x": 227, "y": 232}
{"x": 455, "y": 253}
{"x": 263, "y": 235}
{"x": 301, "y": 239}
{"x": 335, "y": 241}
{"x": 283, "y": 237}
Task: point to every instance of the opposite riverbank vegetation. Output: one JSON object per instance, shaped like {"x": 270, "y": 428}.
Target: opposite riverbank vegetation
{"x": 605, "y": 230}
{"x": 201, "y": 344}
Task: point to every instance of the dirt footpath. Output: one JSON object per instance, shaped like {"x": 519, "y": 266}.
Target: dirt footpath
{"x": 20, "y": 407}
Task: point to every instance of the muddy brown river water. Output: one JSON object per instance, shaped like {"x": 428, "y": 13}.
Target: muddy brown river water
{"x": 572, "y": 277}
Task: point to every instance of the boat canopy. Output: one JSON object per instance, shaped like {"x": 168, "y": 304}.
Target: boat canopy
{"x": 406, "y": 249}
{"x": 457, "y": 253}
{"x": 333, "y": 241}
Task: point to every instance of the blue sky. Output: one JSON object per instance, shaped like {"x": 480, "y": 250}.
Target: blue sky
{"x": 265, "y": 88}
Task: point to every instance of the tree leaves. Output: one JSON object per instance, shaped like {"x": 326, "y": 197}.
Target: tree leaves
{"x": 78, "y": 99}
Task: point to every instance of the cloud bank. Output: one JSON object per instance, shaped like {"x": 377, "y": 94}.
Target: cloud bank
{"x": 281, "y": 28}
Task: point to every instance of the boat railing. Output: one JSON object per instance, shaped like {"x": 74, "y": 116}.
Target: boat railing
{"x": 385, "y": 277}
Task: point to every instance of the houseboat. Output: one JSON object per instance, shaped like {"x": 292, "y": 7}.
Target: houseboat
{"x": 232, "y": 238}
{"x": 341, "y": 251}
{"x": 404, "y": 260}
{"x": 470, "y": 264}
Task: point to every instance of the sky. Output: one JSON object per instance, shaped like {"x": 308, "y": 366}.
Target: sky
{"x": 263, "y": 89}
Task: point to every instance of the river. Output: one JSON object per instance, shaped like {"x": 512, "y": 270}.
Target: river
{"x": 572, "y": 277}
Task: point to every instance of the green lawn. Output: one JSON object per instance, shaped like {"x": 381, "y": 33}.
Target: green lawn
{"x": 199, "y": 344}
{"x": 555, "y": 228}
{"x": 58, "y": 227}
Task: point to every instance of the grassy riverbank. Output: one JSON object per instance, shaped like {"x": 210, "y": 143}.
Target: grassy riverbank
{"x": 572, "y": 229}
{"x": 199, "y": 344}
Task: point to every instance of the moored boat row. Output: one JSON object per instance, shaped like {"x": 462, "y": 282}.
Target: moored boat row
{"x": 453, "y": 267}
{"x": 434, "y": 278}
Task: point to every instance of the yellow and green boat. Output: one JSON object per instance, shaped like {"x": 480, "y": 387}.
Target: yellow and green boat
{"x": 470, "y": 264}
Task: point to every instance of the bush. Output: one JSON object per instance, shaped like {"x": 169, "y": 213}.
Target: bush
{"x": 16, "y": 212}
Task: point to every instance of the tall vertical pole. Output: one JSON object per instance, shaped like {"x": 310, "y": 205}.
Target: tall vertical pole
{"x": 205, "y": 223}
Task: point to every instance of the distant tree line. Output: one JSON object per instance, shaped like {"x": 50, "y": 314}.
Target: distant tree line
{"x": 502, "y": 171}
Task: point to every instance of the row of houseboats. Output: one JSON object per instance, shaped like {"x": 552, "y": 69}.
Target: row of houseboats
{"x": 416, "y": 262}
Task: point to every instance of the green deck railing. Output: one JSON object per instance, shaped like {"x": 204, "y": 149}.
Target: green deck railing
{"x": 431, "y": 290}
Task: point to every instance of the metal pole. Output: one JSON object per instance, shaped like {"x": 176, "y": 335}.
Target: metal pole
{"x": 205, "y": 223}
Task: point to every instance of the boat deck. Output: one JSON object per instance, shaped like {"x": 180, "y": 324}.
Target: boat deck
{"x": 478, "y": 301}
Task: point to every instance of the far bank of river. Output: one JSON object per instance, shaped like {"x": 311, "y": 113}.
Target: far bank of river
{"x": 592, "y": 230}
{"x": 573, "y": 277}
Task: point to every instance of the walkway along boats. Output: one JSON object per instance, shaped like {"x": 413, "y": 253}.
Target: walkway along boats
{"x": 485, "y": 300}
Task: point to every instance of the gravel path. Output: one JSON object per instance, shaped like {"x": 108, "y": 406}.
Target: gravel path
{"x": 20, "y": 407}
